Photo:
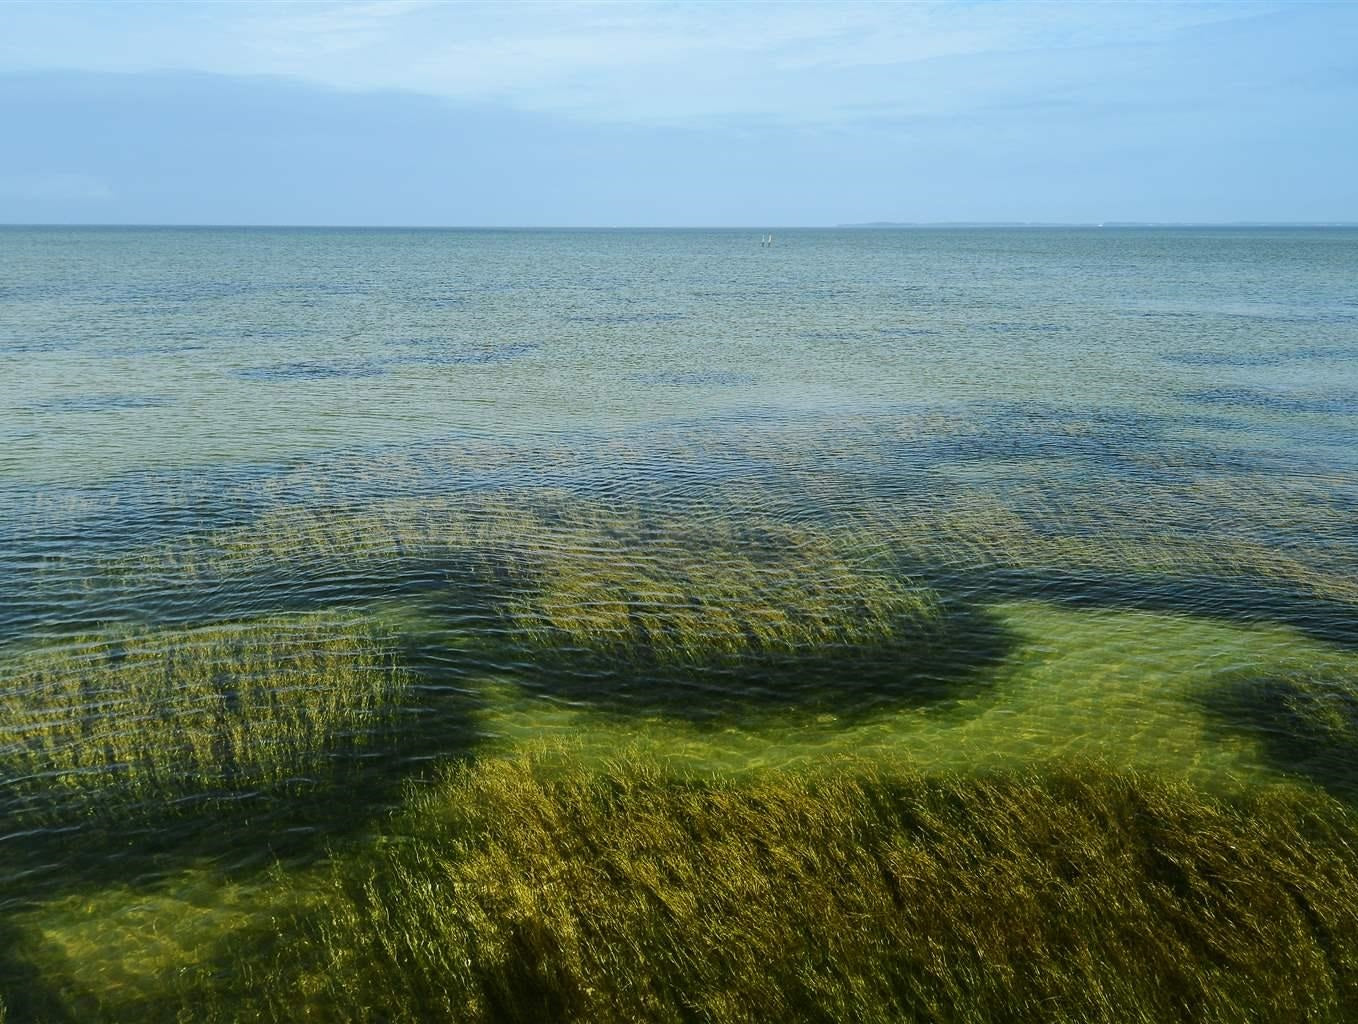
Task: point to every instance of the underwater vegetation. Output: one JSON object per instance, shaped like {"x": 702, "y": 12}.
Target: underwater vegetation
{"x": 576, "y": 572}
{"x": 702, "y": 884}
{"x": 596, "y": 603}
{"x": 725, "y": 620}
{"x": 1306, "y": 721}
{"x": 1215, "y": 529}
{"x": 953, "y": 626}
{"x": 526, "y": 889}
{"x": 478, "y": 529}
{"x": 976, "y": 533}
{"x": 722, "y": 589}
{"x": 132, "y": 721}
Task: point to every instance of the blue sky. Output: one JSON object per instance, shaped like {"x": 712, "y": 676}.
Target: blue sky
{"x": 676, "y": 113}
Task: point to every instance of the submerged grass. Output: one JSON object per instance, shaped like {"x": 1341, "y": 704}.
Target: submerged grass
{"x": 562, "y": 572}
{"x": 120, "y": 720}
{"x": 973, "y": 532}
{"x": 527, "y": 890}
{"x": 720, "y": 591}
{"x": 632, "y": 574}
{"x": 1306, "y": 720}
{"x": 1041, "y": 684}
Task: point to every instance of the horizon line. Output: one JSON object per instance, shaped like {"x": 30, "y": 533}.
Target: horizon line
{"x": 856, "y": 225}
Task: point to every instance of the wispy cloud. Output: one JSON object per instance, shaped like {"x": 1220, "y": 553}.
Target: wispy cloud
{"x": 672, "y": 113}
{"x": 791, "y": 61}
{"x": 295, "y": 37}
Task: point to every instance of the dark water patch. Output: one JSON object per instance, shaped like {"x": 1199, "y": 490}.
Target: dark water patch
{"x": 1020, "y": 327}
{"x": 448, "y": 300}
{"x": 1232, "y": 318}
{"x": 99, "y": 403}
{"x": 1127, "y": 431}
{"x": 1107, "y": 440}
{"x": 1339, "y": 352}
{"x": 736, "y": 291}
{"x": 1218, "y": 422}
{"x": 908, "y": 332}
{"x": 40, "y": 290}
{"x": 1165, "y": 314}
{"x": 200, "y": 289}
{"x": 1341, "y": 402}
{"x": 311, "y": 369}
{"x": 36, "y": 346}
{"x": 624, "y": 319}
{"x": 183, "y": 289}
{"x": 831, "y": 334}
{"x": 489, "y": 355}
{"x": 694, "y": 378}
{"x": 1294, "y": 319}
{"x": 830, "y": 293}
{"x": 318, "y": 286}
{"x": 1248, "y": 360}
{"x": 205, "y": 578}
{"x": 256, "y": 331}
{"x": 1004, "y": 413}
{"x": 1306, "y": 721}
{"x": 1234, "y": 359}
{"x": 148, "y": 348}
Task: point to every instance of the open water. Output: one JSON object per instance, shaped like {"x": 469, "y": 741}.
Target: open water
{"x": 951, "y": 498}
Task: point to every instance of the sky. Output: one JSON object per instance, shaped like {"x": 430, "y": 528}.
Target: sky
{"x": 677, "y": 113}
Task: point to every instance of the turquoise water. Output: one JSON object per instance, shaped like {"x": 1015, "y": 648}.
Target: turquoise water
{"x": 223, "y": 352}
{"x": 947, "y": 498}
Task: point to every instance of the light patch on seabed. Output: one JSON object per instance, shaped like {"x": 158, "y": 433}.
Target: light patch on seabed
{"x": 1115, "y": 685}
{"x": 123, "y": 942}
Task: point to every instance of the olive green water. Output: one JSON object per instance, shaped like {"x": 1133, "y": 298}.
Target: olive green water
{"x": 293, "y": 521}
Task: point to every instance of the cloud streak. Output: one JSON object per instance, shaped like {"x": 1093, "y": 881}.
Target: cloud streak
{"x": 615, "y": 61}
{"x": 678, "y": 113}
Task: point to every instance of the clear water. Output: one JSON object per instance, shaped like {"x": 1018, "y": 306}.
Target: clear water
{"x": 1122, "y": 460}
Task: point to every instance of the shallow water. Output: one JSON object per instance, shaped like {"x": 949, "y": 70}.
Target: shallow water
{"x": 951, "y": 499}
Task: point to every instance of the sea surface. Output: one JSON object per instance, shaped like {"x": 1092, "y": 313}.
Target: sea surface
{"x": 951, "y": 498}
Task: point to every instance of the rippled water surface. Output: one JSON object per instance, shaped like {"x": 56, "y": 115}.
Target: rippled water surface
{"x": 291, "y": 518}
